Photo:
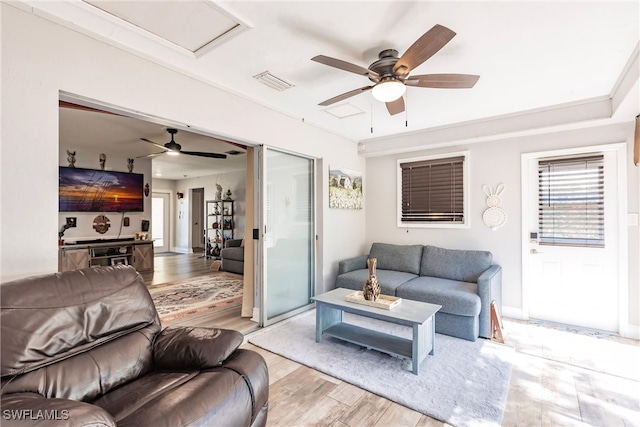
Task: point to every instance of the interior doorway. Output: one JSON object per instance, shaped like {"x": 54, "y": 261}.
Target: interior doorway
{"x": 160, "y": 220}
{"x": 197, "y": 219}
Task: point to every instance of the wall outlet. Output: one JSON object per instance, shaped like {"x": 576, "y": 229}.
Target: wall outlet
{"x": 71, "y": 221}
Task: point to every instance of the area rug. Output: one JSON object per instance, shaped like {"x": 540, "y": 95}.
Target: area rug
{"x": 189, "y": 299}
{"x": 464, "y": 384}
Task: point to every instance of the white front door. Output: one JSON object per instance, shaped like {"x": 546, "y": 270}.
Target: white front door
{"x": 571, "y": 247}
{"x": 160, "y": 221}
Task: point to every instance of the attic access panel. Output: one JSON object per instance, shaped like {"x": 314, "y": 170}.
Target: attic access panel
{"x": 196, "y": 26}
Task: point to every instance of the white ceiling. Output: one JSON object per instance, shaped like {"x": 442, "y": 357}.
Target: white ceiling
{"x": 80, "y": 129}
{"x": 529, "y": 55}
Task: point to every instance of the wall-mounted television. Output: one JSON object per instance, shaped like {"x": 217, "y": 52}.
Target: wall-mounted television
{"x": 89, "y": 190}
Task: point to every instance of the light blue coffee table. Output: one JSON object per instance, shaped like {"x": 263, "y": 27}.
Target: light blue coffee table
{"x": 330, "y": 307}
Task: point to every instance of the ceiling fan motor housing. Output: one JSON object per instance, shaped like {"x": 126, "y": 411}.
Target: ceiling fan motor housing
{"x": 383, "y": 67}
{"x": 172, "y": 145}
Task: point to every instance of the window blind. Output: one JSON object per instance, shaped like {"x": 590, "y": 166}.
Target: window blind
{"x": 571, "y": 201}
{"x": 433, "y": 190}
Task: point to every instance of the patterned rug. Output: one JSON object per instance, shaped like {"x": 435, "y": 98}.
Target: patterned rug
{"x": 189, "y": 299}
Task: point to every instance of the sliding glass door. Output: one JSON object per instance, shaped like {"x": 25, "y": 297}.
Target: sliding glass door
{"x": 287, "y": 234}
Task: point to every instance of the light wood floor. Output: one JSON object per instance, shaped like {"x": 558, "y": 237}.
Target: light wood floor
{"x": 558, "y": 379}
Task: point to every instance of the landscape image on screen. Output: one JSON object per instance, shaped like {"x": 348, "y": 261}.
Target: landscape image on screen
{"x": 88, "y": 190}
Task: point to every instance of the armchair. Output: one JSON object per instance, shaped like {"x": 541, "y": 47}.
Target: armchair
{"x": 85, "y": 347}
{"x": 233, "y": 256}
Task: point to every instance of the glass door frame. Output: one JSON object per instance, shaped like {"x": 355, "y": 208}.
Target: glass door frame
{"x": 261, "y": 258}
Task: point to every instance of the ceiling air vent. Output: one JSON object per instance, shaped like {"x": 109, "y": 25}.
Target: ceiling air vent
{"x": 272, "y": 81}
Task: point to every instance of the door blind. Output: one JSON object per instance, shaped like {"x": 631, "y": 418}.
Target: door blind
{"x": 433, "y": 190}
{"x": 571, "y": 201}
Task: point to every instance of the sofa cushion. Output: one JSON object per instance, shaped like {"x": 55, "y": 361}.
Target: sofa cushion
{"x": 389, "y": 280}
{"x": 455, "y": 297}
{"x": 93, "y": 330}
{"x": 235, "y": 253}
{"x": 454, "y": 264}
{"x": 211, "y": 397}
{"x": 397, "y": 257}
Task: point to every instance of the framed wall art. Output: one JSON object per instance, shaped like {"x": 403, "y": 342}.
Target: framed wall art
{"x": 345, "y": 188}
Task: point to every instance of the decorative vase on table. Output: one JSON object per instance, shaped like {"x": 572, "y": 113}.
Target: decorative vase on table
{"x": 371, "y": 289}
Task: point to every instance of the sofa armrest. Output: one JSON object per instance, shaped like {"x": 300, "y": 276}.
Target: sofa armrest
{"x": 32, "y": 409}
{"x": 489, "y": 290}
{"x": 351, "y": 264}
{"x": 251, "y": 366}
{"x": 233, "y": 243}
{"x": 194, "y": 348}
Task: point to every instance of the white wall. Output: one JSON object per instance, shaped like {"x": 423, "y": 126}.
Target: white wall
{"x": 41, "y": 58}
{"x": 493, "y": 163}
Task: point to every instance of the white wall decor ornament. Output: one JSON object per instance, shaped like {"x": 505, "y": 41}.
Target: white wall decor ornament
{"x": 494, "y": 216}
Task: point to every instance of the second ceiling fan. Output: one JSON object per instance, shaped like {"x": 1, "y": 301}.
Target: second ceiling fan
{"x": 390, "y": 73}
{"x": 173, "y": 148}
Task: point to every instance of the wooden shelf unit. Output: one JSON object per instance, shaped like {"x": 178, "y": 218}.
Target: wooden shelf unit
{"x": 220, "y": 226}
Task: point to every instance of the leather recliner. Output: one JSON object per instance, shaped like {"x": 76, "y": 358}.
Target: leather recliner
{"x": 86, "y": 347}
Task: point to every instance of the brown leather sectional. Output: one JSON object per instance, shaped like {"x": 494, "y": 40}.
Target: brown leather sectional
{"x": 86, "y": 347}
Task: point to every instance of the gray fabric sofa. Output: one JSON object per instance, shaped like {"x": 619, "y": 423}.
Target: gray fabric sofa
{"x": 463, "y": 282}
{"x": 232, "y": 256}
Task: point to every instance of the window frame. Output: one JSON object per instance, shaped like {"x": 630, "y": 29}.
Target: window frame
{"x": 465, "y": 191}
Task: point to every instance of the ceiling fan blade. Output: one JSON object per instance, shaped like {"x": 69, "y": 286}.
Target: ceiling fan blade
{"x": 150, "y": 155}
{"x": 345, "y": 95}
{"x": 201, "y": 154}
{"x": 154, "y": 143}
{"x": 443, "y": 81}
{"x": 395, "y": 107}
{"x": 423, "y": 48}
{"x": 343, "y": 65}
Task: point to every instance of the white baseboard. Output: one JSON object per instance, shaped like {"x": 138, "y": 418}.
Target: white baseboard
{"x": 512, "y": 313}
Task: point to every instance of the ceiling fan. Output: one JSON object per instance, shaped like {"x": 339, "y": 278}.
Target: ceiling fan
{"x": 390, "y": 73}
{"x": 173, "y": 148}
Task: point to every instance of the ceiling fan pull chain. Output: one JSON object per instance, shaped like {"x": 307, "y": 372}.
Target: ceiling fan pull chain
{"x": 406, "y": 109}
{"x": 371, "y": 113}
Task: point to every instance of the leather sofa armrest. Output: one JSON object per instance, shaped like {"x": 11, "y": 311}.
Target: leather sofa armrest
{"x": 32, "y": 409}
{"x": 252, "y": 367}
{"x": 351, "y": 264}
{"x": 194, "y": 348}
{"x": 489, "y": 290}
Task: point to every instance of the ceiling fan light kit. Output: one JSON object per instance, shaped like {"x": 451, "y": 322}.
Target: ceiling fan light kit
{"x": 390, "y": 73}
{"x": 388, "y": 90}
